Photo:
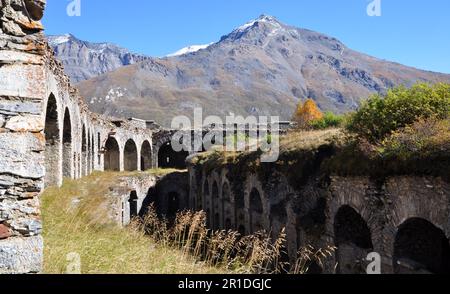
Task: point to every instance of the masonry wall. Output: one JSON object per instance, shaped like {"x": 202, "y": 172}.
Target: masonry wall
{"x": 47, "y": 133}
{"x": 358, "y": 215}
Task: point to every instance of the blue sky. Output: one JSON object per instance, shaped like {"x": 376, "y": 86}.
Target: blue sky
{"x": 411, "y": 32}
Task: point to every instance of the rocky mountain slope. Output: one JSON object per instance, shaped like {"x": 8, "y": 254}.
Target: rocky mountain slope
{"x": 84, "y": 60}
{"x": 261, "y": 68}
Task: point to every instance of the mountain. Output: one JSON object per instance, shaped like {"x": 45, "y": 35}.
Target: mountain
{"x": 261, "y": 68}
{"x": 84, "y": 60}
{"x": 189, "y": 49}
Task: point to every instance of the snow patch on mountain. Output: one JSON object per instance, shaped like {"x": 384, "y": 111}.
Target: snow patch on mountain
{"x": 189, "y": 49}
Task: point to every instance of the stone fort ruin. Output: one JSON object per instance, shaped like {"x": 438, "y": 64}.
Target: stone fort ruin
{"x": 47, "y": 133}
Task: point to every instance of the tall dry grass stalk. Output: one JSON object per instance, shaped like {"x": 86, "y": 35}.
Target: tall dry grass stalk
{"x": 254, "y": 254}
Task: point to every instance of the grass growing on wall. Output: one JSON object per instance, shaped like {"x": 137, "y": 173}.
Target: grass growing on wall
{"x": 74, "y": 221}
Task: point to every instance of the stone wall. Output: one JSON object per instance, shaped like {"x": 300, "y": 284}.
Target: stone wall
{"x": 46, "y": 133}
{"x": 359, "y": 215}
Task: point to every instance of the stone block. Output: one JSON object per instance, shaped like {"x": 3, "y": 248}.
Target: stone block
{"x": 24, "y": 81}
{"x": 21, "y": 255}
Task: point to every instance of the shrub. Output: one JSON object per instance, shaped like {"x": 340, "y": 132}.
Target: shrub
{"x": 424, "y": 138}
{"x": 379, "y": 117}
{"x": 329, "y": 120}
{"x": 306, "y": 113}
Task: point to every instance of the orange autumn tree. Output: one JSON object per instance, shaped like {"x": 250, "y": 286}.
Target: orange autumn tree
{"x": 306, "y": 113}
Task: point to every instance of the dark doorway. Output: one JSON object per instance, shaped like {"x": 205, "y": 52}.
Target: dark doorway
{"x": 421, "y": 247}
{"x": 168, "y": 158}
{"x": 52, "y": 141}
{"x": 146, "y": 156}
{"x": 67, "y": 145}
{"x": 133, "y": 205}
{"x": 130, "y": 156}
{"x": 112, "y": 155}
{"x": 255, "y": 211}
{"x": 353, "y": 239}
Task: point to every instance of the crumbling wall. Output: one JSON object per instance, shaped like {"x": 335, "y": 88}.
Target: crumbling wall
{"x": 46, "y": 133}
{"x": 359, "y": 215}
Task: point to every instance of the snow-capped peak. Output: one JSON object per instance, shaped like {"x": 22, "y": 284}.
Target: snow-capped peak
{"x": 189, "y": 49}
{"x": 262, "y": 19}
{"x": 57, "y": 40}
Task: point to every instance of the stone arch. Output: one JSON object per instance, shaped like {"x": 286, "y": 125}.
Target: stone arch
{"x": 67, "y": 160}
{"x": 52, "y": 143}
{"x": 239, "y": 208}
{"x": 215, "y": 212}
{"x": 83, "y": 151}
{"x": 130, "y": 156}
{"x": 207, "y": 201}
{"x": 227, "y": 210}
{"x": 353, "y": 240}
{"x": 88, "y": 152}
{"x": 256, "y": 211}
{"x": 112, "y": 155}
{"x": 421, "y": 247}
{"x": 168, "y": 158}
{"x": 146, "y": 156}
{"x": 92, "y": 151}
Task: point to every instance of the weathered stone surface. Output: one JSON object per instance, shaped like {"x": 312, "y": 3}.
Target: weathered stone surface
{"x": 9, "y": 56}
{"x": 20, "y": 123}
{"x": 24, "y": 81}
{"x": 21, "y": 255}
{"x": 11, "y": 107}
{"x": 20, "y": 155}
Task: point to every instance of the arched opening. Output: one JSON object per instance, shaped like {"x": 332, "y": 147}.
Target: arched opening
{"x": 112, "y": 155}
{"x": 52, "y": 141}
{"x": 133, "y": 204}
{"x": 88, "y": 153}
{"x": 67, "y": 146}
{"x": 168, "y": 158}
{"x": 130, "y": 156}
{"x": 83, "y": 152}
{"x": 98, "y": 148}
{"x": 255, "y": 211}
{"x": 146, "y": 156}
{"x": 421, "y": 247}
{"x": 353, "y": 240}
{"x": 207, "y": 203}
{"x": 226, "y": 206}
{"x": 92, "y": 152}
{"x": 215, "y": 206}
{"x": 173, "y": 205}
{"x": 239, "y": 207}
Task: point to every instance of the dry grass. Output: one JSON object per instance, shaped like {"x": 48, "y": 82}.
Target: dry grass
{"x": 74, "y": 221}
{"x": 253, "y": 254}
{"x": 307, "y": 140}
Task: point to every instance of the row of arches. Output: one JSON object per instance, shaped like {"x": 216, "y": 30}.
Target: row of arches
{"x": 419, "y": 246}
{"x": 70, "y": 153}
{"x": 229, "y": 212}
{"x": 112, "y": 156}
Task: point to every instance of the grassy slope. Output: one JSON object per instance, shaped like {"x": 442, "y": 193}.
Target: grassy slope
{"x": 103, "y": 247}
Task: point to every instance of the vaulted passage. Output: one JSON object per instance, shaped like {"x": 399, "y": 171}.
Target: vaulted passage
{"x": 352, "y": 237}
{"x": 52, "y": 143}
{"x": 130, "y": 156}
{"x": 240, "y": 214}
{"x": 112, "y": 155}
{"x": 146, "y": 156}
{"x": 83, "y": 152}
{"x": 67, "y": 146}
{"x": 421, "y": 247}
{"x": 255, "y": 211}
{"x": 168, "y": 158}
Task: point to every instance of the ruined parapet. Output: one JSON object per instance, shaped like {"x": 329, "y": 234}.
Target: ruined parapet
{"x": 22, "y": 140}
